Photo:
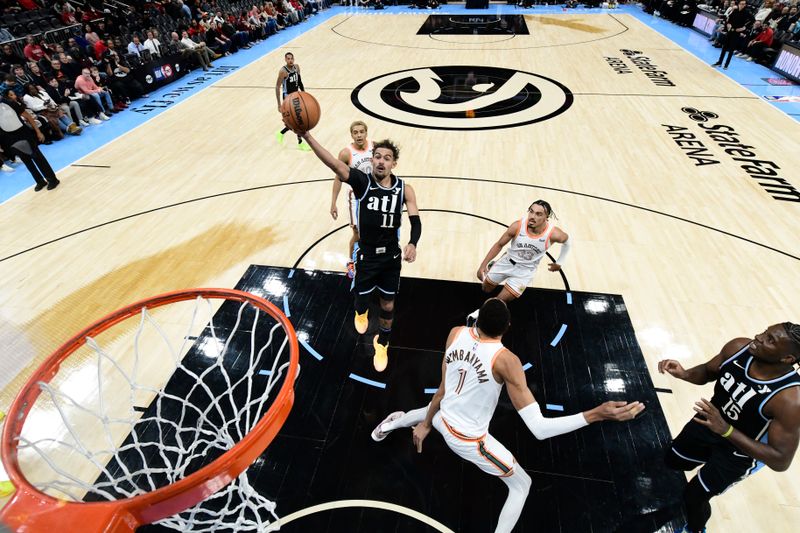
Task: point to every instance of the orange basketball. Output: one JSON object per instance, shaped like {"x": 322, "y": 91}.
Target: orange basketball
{"x": 300, "y": 111}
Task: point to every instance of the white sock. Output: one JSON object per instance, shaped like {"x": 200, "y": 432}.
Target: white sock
{"x": 519, "y": 484}
{"x": 410, "y": 419}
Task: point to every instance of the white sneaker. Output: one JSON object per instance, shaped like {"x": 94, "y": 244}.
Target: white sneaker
{"x": 94, "y": 121}
{"x": 6, "y": 168}
{"x": 103, "y": 116}
{"x": 377, "y": 434}
{"x": 83, "y": 123}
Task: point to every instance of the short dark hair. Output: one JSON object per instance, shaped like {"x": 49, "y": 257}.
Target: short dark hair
{"x": 388, "y": 144}
{"x": 494, "y": 318}
{"x": 547, "y": 208}
{"x": 287, "y": 54}
{"x": 793, "y": 331}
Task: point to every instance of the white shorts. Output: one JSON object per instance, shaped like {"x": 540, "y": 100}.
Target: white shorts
{"x": 485, "y": 452}
{"x": 515, "y": 277}
{"x": 353, "y": 206}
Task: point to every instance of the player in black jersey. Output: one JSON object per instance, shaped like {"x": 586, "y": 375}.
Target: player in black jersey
{"x": 289, "y": 81}
{"x": 752, "y": 420}
{"x": 380, "y": 197}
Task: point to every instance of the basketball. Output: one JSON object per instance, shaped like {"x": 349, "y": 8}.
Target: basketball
{"x": 300, "y": 111}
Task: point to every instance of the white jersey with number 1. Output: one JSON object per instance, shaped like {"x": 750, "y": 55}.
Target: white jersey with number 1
{"x": 470, "y": 390}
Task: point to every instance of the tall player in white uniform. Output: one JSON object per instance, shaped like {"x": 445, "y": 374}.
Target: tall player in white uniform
{"x": 357, "y": 154}
{"x": 530, "y": 238}
{"x": 474, "y": 368}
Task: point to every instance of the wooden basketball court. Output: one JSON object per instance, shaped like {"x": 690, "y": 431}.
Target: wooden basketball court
{"x": 676, "y": 184}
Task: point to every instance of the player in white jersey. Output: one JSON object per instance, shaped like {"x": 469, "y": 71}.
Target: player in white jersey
{"x": 530, "y": 238}
{"x": 357, "y": 154}
{"x": 474, "y": 369}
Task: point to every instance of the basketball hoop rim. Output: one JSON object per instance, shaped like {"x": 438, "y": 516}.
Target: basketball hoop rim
{"x": 174, "y": 498}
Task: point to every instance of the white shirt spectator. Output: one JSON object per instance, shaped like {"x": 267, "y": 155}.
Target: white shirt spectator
{"x": 189, "y": 43}
{"x": 38, "y": 103}
{"x": 154, "y": 46}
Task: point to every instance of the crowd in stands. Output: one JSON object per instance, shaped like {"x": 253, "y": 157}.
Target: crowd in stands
{"x": 749, "y": 29}
{"x": 85, "y": 77}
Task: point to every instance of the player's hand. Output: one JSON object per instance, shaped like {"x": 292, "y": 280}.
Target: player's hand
{"x": 421, "y": 431}
{"x": 553, "y": 267}
{"x": 410, "y": 253}
{"x": 482, "y": 271}
{"x": 710, "y": 417}
{"x": 40, "y": 136}
{"x": 672, "y": 367}
{"x": 619, "y": 411}
{"x": 334, "y": 212}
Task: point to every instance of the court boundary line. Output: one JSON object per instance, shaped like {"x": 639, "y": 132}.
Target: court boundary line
{"x": 626, "y": 28}
{"x": 462, "y": 178}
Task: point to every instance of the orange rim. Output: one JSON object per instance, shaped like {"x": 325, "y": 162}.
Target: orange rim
{"x": 32, "y": 510}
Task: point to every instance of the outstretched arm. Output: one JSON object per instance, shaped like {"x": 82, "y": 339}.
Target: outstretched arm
{"x": 559, "y": 236}
{"x": 509, "y": 368}
{"x": 706, "y": 372}
{"x": 497, "y": 247}
{"x": 342, "y": 171}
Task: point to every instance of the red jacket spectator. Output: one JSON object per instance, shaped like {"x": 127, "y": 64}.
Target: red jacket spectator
{"x": 29, "y": 5}
{"x": 34, "y": 51}
{"x": 765, "y": 36}
{"x": 99, "y": 48}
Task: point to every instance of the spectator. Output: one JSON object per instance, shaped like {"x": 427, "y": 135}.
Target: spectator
{"x": 9, "y": 57}
{"x": 55, "y": 69}
{"x": 199, "y": 52}
{"x": 21, "y": 76}
{"x": 86, "y": 85}
{"x": 135, "y": 46}
{"x": 19, "y": 140}
{"x": 10, "y": 83}
{"x": 99, "y": 49}
{"x": 60, "y": 93}
{"x": 70, "y": 67}
{"x": 34, "y": 51}
{"x": 5, "y": 35}
{"x": 152, "y": 44}
{"x": 36, "y": 75}
{"x": 764, "y": 10}
{"x": 39, "y": 102}
{"x": 90, "y": 35}
{"x": 123, "y": 85}
{"x": 186, "y": 12}
{"x": 762, "y": 40}
{"x": 217, "y": 41}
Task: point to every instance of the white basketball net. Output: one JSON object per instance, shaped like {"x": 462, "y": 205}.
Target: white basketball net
{"x": 199, "y": 414}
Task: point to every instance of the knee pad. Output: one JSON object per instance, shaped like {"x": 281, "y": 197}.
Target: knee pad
{"x": 386, "y": 315}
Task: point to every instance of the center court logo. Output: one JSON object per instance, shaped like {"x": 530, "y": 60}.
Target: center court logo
{"x": 462, "y": 98}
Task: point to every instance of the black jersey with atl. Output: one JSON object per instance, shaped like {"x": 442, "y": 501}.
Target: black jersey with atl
{"x": 291, "y": 83}
{"x": 741, "y": 398}
{"x": 379, "y": 210}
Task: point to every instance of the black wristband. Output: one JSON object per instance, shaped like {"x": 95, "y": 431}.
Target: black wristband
{"x": 416, "y": 229}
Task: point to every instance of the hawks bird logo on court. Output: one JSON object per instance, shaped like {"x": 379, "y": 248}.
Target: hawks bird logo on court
{"x": 462, "y": 98}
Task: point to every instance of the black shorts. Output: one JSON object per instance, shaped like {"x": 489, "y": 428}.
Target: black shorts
{"x": 722, "y": 463}
{"x": 377, "y": 270}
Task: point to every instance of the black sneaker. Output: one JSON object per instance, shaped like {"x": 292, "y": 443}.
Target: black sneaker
{"x": 53, "y": 185}
{"x": 39, "y": 187}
